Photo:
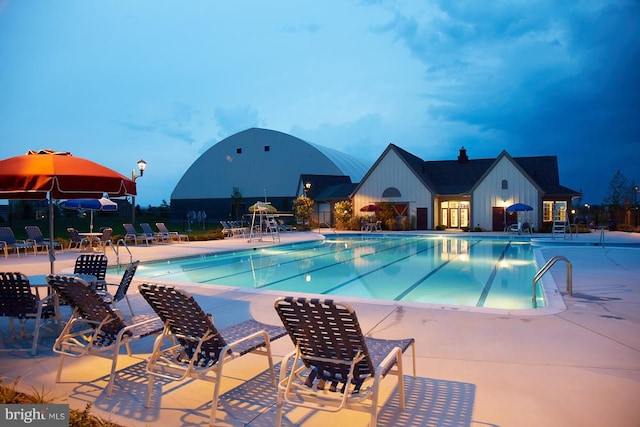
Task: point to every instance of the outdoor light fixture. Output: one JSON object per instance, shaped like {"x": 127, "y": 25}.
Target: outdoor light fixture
{"x": 141, "y": 167}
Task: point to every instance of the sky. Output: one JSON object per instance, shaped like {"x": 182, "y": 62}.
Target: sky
{"x": 117, "y": 81}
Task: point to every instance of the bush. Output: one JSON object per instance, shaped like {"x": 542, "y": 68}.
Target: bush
{"x": 10, "y": 395}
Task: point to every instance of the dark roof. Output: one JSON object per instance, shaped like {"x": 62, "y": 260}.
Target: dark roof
{"x": 319, "y": 183}
{"x": 459, "y": 177}
{"x": 336, "y": 192}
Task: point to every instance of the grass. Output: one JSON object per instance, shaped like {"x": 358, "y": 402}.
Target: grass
{"x": 9, "y": 394}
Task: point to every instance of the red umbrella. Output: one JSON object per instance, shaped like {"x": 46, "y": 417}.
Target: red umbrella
{"x": 54, "y": 175}
{"x": 59, "y": 175}
{"x": 370, "y": 208}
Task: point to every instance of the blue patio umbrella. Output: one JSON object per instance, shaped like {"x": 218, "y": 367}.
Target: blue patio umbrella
{"x": 91, "y": 205}
{"x": 519, "y": 207}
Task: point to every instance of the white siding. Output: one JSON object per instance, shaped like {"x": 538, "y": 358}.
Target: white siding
{"x": 489, "y": 194}
{"x": 391, "y": 171}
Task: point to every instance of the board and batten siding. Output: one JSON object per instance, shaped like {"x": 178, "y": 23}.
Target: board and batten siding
{"x": 489, "y": 193}
{"x": 391, "y": 171}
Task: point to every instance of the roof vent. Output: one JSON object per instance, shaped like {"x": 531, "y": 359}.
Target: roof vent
{"x": 462, "y": 157}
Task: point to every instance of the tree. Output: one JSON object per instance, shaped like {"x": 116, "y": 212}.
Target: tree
{"x": 620, "y": 193}
{"x": 343, "y": 211}
{"x": 303, "y": 207}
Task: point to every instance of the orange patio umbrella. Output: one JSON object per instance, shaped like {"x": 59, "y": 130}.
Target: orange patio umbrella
{"x": 56, "y": 175}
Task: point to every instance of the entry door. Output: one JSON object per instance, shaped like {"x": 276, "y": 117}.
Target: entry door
{"x": 422, "y": 218}
{"x": 497, "y": 213}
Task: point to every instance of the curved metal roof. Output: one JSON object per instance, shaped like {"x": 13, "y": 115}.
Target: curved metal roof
{"x": 261, "y": 163}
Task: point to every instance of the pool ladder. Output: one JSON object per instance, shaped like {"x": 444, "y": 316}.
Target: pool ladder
{"x": 546, "y": 267}
{"x": 116, "y": 250}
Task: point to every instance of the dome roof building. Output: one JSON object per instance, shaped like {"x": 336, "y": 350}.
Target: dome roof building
{"x": 261, "y": 164}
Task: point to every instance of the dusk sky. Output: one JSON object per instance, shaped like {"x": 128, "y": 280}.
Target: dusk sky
{"x": 119, "y": 80}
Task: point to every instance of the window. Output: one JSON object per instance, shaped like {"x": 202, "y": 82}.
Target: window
{"x": 238, "y": 150}
{"x": 505, "y": 184}
{"x": 391, "y": 192}
{"x": 267, "y": 148}
{"x": 554, "y": 211}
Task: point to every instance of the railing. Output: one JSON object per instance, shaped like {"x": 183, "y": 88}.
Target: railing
{"x": 116, "y": 249}
{"x": 546, "y": 268}
{"x": 328, "y": 226}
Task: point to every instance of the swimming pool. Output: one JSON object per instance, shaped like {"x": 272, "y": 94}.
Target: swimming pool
{"x": 445, "y": 270}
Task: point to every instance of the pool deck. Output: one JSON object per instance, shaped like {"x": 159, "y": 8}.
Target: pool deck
{"x": 578, "y": 365}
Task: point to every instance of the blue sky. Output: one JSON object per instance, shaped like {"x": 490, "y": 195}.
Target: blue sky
{"x": 119, "y": 80}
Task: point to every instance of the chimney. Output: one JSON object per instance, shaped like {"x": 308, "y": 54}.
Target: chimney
{"x": 462, "y": 157}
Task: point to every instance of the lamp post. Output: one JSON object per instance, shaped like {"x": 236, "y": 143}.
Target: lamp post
{"x": 141, "y": 166}
{"x": 635, "y": 201}
{"x": 307, "y": 187}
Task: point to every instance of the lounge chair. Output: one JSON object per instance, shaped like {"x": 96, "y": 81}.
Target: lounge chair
{"x": 132, "y": 235}
{"x": 191, "y": 346}
{"x": 17, "y": 301}
{"x": 94, "y": 265}
{"x": 94, "y": 328}
{"x": 233, "y": 228}
{"x": 515, "y": 228}
{"x": 334, "y": 365}
{"x": 171, "y": 235}
{"x": 123, "y": 287}
{"x": 9, "y": 242}
{"x": 283, "y": 226}
{"x": 35, "y": 236}
{"x": 152, "y": 235}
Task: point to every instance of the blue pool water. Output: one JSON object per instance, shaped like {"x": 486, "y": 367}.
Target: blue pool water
{"x": 444, "y": 270}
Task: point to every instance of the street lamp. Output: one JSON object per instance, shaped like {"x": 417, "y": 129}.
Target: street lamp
{"x": 307, "y": 187}
{"x": 141, "y": 167}
{"x": 635, "y": 202}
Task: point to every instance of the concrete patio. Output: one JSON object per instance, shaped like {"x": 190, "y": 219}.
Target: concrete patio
{"x": 579, "y": 365}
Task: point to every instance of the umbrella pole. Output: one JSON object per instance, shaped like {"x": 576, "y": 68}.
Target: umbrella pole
{"x": 52, "y": 249}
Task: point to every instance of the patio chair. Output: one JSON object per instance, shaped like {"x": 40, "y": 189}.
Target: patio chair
{"x": 201, "y": 350}
{"x": 171, "y": 235}
{"x": 94, "y": 328}
{"x": 334, "y": 365}
{"x": 154, "y": 236}
{"x": 283, "y": 226}
{"x": 35, "y": 236}
{"x": 75, "y": 239}
{"x": 104, "y": 240}
{"x": 94, "y": 265}
{"x": 17, "y": 301}
{"x": 9, "y": 242}
{"x": 226, "y": 229}
{"x": 123, "y": 287}
{"x": 132, "y": 235}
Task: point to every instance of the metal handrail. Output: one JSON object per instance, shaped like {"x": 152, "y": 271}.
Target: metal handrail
{"x": 117, "y": 251}
{"x": 328, "y": 226}
{"x": 546, "y": 268}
